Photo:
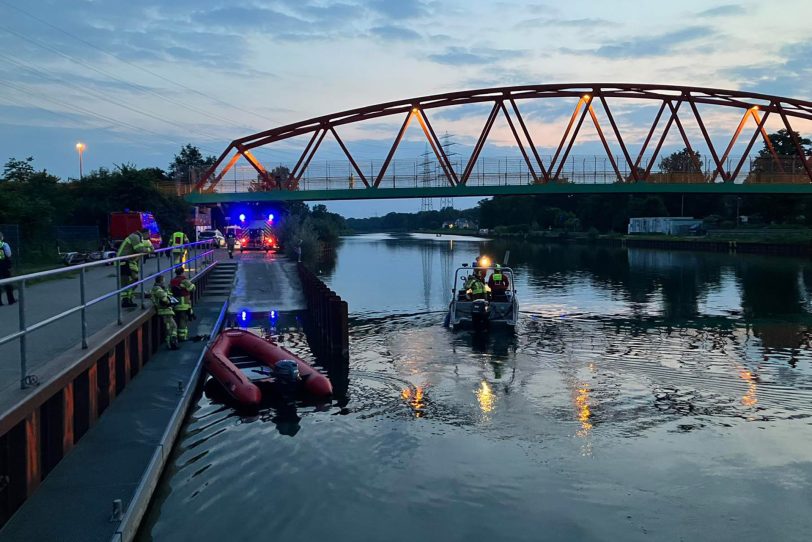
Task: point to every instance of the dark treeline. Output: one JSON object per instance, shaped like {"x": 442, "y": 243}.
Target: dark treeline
{"x": 611, "y": 212}
{"x": 37, "y": 202}
{"x": 315, "y": 230}
{"x": 424, "y": 220}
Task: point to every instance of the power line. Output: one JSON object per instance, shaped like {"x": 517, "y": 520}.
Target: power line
{"x": 97, "y": 94}
{"x": 114, "y": 122}
{"x": 116, "y": 78}
{"x": 184, "y": 128}
{"x": 159, "y": 76}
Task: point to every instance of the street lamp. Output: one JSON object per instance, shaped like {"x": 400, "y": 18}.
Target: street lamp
{"x": 80, "y": 148}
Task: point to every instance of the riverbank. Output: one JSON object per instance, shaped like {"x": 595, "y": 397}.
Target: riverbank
{"x": 786, "y": 242}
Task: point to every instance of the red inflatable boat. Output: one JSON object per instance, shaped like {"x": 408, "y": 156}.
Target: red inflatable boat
{"x": 233, "y": 342}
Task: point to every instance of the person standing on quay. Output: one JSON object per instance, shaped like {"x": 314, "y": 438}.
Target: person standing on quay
{"x": 182, "y": 288}
{"x": 5, "y": 270}
{"x": 163, "y": 306}
{"x": 136, "y": 243}
{"x": 179, "y": 252}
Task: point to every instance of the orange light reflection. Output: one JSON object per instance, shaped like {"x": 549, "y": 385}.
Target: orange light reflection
{"x": 749, "y": 399}
{"x": 485, "y": 397}
{"x": 414, "y": 398}
{"x": 584, "y": 414}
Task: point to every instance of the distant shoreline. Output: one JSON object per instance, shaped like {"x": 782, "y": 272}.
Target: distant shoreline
{"x": 770, "y": 241}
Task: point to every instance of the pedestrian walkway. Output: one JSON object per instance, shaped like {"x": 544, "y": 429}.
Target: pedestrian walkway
{"x": 49, "y": 346}
{"x": 74, "y": 502}
{"x": 53, "y": 350}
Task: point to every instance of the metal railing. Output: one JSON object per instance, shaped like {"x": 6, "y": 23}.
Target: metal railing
{"x": 513, "y": 170}
{"x": 197, "y": 254}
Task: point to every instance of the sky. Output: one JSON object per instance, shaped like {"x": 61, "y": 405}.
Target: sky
{"x": 136, "y": 79}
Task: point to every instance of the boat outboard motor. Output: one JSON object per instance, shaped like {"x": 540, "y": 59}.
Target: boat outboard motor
{"x": 286, "y": 373}
{"x": 480, "y": 313}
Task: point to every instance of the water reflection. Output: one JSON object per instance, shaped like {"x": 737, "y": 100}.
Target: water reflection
{"x": 414, "y": 398}
{"x": 632, "y": 375}
{"x": 584, "y": 414}
{"x": 750, "y": 398}
{"x": 485, "y": 397}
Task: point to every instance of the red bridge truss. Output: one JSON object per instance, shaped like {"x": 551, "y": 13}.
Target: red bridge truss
{"x": 506, "y": 100}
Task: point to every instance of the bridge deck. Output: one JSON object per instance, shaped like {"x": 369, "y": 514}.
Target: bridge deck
{"x": 496, "y": 190}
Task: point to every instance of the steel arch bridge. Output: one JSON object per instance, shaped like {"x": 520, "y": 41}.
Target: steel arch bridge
{"x": 627, "y": 172}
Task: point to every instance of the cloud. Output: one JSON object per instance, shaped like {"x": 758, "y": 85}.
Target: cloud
{"x": 723, "y": 11}
{"x": 391, "y": 32}
{"x": 247, "y": 18}
{"x": 461, "y": 112}
{"x": 400, "y": 9}
{"x": 330, "y": 13}
{"x": 464, "y": 56}
{"x": 788, "y": 77}
{"x": 538, "y": 23}
{"x": 654, "y": 45}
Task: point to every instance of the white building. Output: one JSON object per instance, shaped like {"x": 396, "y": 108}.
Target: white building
{"x": 680, "y": 225}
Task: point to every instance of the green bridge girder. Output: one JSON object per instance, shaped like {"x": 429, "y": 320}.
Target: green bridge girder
{"x": 485, "y": 191}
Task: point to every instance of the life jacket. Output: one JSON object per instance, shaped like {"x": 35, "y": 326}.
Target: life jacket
{"x": 177, "y": 239}
{"x": 176, "y": 284}
{"x": 182, "y": 289}
{"x": 2, "y": 250}
{"x": 477, "y": 288}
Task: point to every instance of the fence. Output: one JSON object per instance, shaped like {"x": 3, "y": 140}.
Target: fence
{"x": 513, "y": 170}
{"x": 67, "y": 238}
{"x": 199, "y": 256}
{"x": 77, "y": 238}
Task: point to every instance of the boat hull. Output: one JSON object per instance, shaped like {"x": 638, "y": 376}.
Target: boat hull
{"x": 243, "y": 390}
{"x": 461, "y": 313}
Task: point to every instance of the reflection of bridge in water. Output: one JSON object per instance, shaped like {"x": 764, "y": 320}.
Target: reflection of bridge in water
{"x": 719, "y": 159}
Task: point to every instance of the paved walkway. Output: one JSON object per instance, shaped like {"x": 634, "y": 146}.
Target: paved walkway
{"x": 46, "y": 299}
{"x": 74, "y": 502}
{"x": 267, "y": 282}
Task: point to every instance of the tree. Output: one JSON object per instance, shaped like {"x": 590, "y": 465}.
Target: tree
{"x": 18, "y": 170}
{"x": 784, "y": 145}
{"x": 189, "y": 164}
{"x": 786, "y": 151}
{"x": 684, "y": 161}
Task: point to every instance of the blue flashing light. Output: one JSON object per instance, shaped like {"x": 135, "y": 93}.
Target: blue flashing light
{"x": 242, "y": 217}
{"x": 270, "y": 217}
{"x": 243, "y": 316}
{"x": 273, "y": 314}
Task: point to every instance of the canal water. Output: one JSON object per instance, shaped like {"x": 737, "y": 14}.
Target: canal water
{"x": 645, "y": 395}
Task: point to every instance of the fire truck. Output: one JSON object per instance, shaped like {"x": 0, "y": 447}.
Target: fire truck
{"x": 258, "y": 235}
{"x": 124, "y": 223}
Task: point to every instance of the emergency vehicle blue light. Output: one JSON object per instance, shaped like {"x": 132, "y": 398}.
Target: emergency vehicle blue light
{"x": 270, "y": 217}
{"x": 242, "y": 217}
{"x": 273, "y": 314}
{"x": 244, "y": 316}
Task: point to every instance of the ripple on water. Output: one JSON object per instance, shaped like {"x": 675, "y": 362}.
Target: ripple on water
{"x": 588, "y": 413}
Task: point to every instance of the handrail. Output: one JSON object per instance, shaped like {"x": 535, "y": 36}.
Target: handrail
{"x": 206, "y": 257}
{"x": 107, "y": 261}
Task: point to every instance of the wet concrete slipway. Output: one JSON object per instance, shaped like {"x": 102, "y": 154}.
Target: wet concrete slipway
{"x": 645, "y": 395}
